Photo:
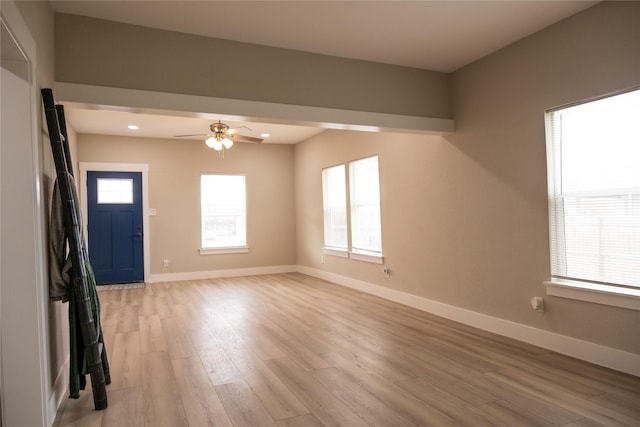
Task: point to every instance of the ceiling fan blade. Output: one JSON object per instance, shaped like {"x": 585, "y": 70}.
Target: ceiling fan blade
{"x": 195, "y": 134}
{"x": 232, "y": 130}
{"x": 242, "y": 138}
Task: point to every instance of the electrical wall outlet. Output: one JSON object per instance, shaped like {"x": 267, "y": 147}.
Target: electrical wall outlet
{"x": 387, "y": 272}
{"x": 165, "y": 263}
{"x": 537, "y": 304}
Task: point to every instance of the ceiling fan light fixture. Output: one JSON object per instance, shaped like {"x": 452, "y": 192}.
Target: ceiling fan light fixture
{"x": 210, "y": 142}
{"x": 222, "y": 137}
{"x": 217, "y": 143}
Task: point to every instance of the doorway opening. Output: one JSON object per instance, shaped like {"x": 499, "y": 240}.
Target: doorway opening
{"x": 114, "y": 226}
{"x": 111, "y": 171}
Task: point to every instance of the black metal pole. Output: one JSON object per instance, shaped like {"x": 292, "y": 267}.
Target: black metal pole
{"x": 62, "y": 123}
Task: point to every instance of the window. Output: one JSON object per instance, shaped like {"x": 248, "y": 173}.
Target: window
{"x": 223, "y": 212}
{"x": 334, "y": 200}
{"x": 361, "y": 237}
{"x": 115, "y": 191}
{"x": 594, "y": 192}
{"x": 366, "y": 235}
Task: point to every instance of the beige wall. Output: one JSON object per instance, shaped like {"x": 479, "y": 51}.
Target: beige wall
{"x": 103, "y": 53}
{"x": 415, "y": 191}
{"x": 465, "y": 217}
{"x": 499, "y": 105}
{"x": 175, "y": 167}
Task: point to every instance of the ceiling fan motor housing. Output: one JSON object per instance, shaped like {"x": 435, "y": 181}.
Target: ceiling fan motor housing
{"x": 220, "y": 130}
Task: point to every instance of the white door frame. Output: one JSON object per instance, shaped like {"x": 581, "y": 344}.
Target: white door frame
{"x": 26, "y": 378}
{"x": 121, "y": 167}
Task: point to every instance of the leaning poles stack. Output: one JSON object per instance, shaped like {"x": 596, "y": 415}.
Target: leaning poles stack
{"x": 94, "y": 351}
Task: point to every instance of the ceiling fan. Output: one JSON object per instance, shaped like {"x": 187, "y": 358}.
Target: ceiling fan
{"x": 222, "y": 137}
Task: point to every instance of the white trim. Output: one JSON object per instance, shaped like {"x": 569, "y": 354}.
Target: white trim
{"x": 59, "y": 389}
{"x": 341, "y": 253}
{"x": 114, "y": 167}
{"x": 601, "y": 355}
{"x": 367, "y": 257}
{"x": 215, "y": 274}
{"x": 149, "y": 102}
{"x": 220, "y": 251}
{"x": 36, "y": 281}
{"x": 122, "y": 167}
{"x": 616, "y": 296}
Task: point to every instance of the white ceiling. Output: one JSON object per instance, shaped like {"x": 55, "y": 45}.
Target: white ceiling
{"x": 107, "y": 122}
{"x": 433, "y": 35}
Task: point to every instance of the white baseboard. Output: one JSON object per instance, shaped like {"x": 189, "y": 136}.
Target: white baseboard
{"x": 58, "y": 392}
{"x": 214, "y": 274}
{"x": 595, "y": 353}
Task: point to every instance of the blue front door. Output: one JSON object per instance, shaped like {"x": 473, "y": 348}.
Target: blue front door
{"x": 114, "y": 225}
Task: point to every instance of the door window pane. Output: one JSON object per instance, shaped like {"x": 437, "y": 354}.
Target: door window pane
{"x": 113, "y": 190}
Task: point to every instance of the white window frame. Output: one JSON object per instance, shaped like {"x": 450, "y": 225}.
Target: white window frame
{"x": 234, "y": 248}
{"x": 619, "y": 295}
{"x": 351, "y": 252}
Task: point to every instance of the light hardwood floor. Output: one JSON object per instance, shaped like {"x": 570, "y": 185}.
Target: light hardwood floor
{"x": 291, "y": 350}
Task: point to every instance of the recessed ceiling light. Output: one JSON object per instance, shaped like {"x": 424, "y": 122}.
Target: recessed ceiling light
{"x": 133, "y": 127}
{"x": 265, "y": 135}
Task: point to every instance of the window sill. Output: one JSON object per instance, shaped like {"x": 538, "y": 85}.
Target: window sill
{"x": 221, "y": 251}
{"x": 596, "y": 293}
{"x": 372, "y": 257}
{"x": 342, "y": 253}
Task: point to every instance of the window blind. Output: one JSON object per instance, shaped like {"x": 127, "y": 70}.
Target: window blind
{"x": 334, "y": 198}
{"x": 594, "y": 190}
{"x": 366, "y": 234}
